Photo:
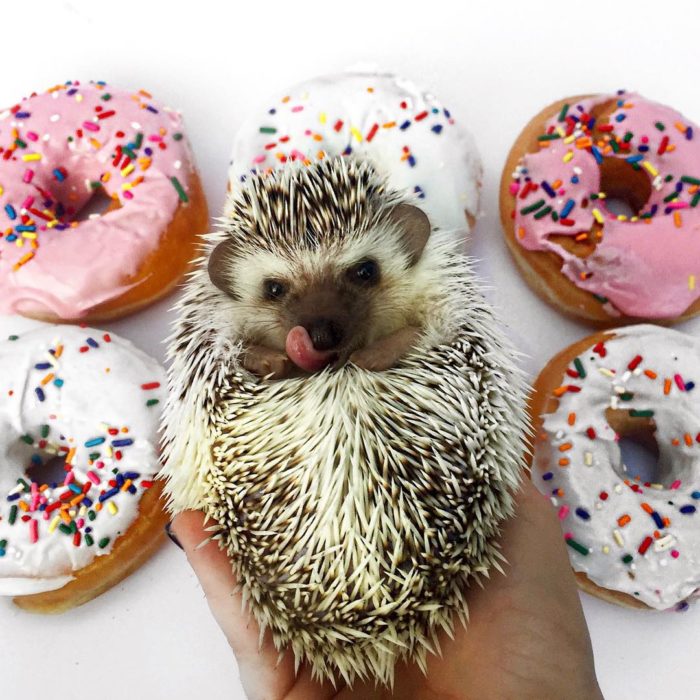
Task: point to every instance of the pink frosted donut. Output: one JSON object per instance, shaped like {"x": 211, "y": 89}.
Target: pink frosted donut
{"x": 584, "y": 253}
{"x": 57, "y": 150}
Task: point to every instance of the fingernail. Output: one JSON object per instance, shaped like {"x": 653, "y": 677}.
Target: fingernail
{"x": 169, "y": 532}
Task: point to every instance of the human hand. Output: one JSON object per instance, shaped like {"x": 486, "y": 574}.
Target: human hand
{"x": 526, "y": 637}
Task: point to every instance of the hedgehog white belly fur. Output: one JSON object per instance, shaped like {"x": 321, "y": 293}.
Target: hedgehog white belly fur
{"x": 357, "y": 507}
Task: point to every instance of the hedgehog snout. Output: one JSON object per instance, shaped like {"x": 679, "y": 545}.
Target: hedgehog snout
{"x": 325, "y": 333}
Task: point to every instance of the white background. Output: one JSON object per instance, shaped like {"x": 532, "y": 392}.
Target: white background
{"x": 494, "y": 67}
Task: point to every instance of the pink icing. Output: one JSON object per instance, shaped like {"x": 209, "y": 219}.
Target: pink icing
{"x": 83, "y": 134}
{"x": 644, "y": 266}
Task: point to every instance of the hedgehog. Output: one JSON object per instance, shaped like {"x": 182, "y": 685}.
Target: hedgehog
{"x": 344, "y": 406}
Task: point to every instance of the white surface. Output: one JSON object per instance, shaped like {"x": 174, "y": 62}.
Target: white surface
{"x": 152, "y": 636}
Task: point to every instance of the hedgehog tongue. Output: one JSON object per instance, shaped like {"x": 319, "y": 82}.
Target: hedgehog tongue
{"x": 302, "y": 352}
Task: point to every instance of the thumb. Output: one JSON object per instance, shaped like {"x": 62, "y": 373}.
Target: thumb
{"x": 261, "y": 674}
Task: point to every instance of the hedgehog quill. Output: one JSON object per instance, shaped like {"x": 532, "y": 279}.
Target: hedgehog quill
{"x": 344, "y": 406}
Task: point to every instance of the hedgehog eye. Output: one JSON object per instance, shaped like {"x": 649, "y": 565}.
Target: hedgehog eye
{"x": 366, "y": 273}
{"x": 274, "y": 289}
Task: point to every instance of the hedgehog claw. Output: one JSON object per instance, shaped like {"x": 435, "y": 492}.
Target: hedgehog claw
{"x": 267, "y": 363}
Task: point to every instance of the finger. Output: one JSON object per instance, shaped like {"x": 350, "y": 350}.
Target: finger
{"x": 263, "y": 674}
{"x": 209, "y": 563}
{"x": 535, "y": 549}
{"x": 258, "y": 666}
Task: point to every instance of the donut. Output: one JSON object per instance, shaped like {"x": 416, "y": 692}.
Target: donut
{"x": 81, "y": 146}
{"x": 404, "y": 131}
{"x": 79, "y": 506}
{"x": 599, "y": 200}
{"x": 633, "y": 539}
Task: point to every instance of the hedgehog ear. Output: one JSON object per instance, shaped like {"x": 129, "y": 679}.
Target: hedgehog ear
{"x": 415, "y": 229}
{"x": 219, "y": 268}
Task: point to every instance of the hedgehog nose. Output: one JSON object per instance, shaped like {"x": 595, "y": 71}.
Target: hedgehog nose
{"x": 325, "y": 333}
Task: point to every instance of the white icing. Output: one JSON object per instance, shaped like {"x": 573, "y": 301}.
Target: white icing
{"x": 668, "y": 572}
{"x": 446, "y": 165}
{"x": 102, "y": 389}
{"x": 27, "y": 586}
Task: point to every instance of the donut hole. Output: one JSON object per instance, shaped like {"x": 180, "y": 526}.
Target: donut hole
{"x": 639, "y": 458}
{"x": 25, "y": 462}
{"x": 47, "y": 469}
{"x": 97, "y": 205}
{"x": 620, "y": 207}
{"x": 627, "y": 188}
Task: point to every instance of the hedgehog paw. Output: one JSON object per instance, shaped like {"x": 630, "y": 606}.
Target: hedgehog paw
{"x": 387, "y": 352}
{"x": 265, "y": 362}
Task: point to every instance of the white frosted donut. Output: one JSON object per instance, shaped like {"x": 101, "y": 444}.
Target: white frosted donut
{"x": 406, "y": 133}
{"x": 93, "y": 399}
{"x": 626, "y": 535}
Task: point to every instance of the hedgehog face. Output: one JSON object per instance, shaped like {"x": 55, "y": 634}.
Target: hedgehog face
{"x": 331, "y": 301}
{"x": 321, "y": 304}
